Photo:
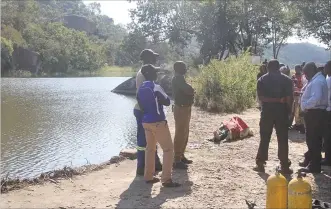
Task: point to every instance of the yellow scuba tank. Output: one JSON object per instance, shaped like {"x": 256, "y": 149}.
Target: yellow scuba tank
{"x": 299, "y": 193}
{"x": 276, "y": 191}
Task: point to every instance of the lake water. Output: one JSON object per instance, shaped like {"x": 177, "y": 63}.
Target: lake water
{"x": 47, "y": 123}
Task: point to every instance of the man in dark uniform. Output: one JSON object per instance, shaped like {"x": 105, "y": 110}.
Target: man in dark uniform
{"x": 183, "y": 94}
{"x": 275, "y": 91}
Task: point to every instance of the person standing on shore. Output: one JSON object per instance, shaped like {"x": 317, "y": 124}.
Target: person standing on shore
{"x": 327, "y": 136}
{"x": 183, "y": 94}
{"x": 147, "y": 56}
{"x": 299, "y": 81}
{"x": 151, "y": 98}
{"x": 285, "y": 70}
{"x": 263, "y": 71}
{"x": 275, "y": 91}
{"x": 314, "y": 102}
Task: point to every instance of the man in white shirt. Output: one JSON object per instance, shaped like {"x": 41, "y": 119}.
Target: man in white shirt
{"x": 314, "y": 102}
{"x": 327, "y": 135}
{"x": 147, "y": 56}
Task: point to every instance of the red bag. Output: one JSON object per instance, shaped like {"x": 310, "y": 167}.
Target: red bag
{"x": 237, "y": 127}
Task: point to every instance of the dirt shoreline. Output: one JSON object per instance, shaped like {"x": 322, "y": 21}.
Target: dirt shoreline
{"x": 220, "y": 177}
{"x": 10, "y": 184}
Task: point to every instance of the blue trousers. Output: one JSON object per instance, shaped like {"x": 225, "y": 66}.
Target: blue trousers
{"x": 141, "y": 141}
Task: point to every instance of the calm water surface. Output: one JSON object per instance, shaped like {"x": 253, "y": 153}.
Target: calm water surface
{"x": 47, "y": 123}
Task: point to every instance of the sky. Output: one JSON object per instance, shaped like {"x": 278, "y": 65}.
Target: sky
{"x": 119, "y": 11}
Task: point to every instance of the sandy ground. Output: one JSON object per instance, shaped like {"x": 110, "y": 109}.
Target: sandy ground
{"x": 221, "y": 176}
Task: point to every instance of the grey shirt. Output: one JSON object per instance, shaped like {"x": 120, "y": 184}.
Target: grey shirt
{"x": 140, "y": 78}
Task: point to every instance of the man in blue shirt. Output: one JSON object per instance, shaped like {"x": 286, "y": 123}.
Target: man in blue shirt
{"x": 151, "y": 98}
{"x": 147, "y": 56}
{"x": 314, "y": 102}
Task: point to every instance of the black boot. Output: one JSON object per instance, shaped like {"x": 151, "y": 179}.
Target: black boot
{"x": 186, "y": 161}
{"x": 285, "y": 170}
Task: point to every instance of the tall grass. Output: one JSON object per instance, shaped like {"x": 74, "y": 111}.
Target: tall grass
{"x": 226, "y": 86}
{"x": 116, "y": 71}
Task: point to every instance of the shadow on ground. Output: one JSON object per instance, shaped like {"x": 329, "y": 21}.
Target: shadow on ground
{"x": 295, "y": 136}
{"x": 142, "y": 195}
{"x": 264, "y": 176}
{"x": 323, "y": 182}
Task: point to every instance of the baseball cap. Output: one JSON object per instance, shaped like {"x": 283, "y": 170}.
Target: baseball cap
{"x": 147, "y": 70}
{"x": 147, "y": 53}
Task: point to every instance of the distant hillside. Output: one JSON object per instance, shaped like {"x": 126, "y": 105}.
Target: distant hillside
{"x": 296, "y": 53}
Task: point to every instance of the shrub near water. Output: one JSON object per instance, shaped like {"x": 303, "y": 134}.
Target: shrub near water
{"x": 226, "y": 86}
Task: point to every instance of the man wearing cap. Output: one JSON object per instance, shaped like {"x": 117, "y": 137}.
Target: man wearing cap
{"x": 314, "y": 102}
{"x": 148, "y": 57}
{"x": 275, "y": 91}
{"x": 183, "y": 94}
{"x": 151, "y": 98}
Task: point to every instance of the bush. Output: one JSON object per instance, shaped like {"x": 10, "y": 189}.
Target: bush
{"x": 13, "y": 35}
{"x": 226, "y": 86}
{"x": 64, "y": 50}
{"x": 6, "y": 56}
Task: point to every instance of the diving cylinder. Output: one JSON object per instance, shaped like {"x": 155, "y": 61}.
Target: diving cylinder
{"x": 276, "y": 191}
{"x": 299, "y": 193}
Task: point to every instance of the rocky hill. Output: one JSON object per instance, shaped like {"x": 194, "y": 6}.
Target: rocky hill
{"x": 296, "y": 53}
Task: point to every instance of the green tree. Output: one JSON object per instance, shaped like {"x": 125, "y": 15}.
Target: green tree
{"x": 316, "y": 19}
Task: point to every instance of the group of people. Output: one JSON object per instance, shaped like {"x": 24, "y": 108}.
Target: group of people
{"x": 308, "y": 92}
{"x": 152, "y": 127}
{"x": 306, "y": 97}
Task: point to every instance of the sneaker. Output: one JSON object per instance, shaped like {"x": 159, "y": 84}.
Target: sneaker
{"x": 180, "y": 165}
{"x": 186, "y": 161}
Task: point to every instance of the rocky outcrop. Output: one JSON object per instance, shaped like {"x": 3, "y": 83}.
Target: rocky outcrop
{"x": 128, "y": 87}
{"x": 25, "y": 59}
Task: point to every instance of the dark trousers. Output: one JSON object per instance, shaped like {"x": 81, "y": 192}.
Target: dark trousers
{"x": 274, "y": 116}
{"x": 315, "y": 125}
{"x": 327, "y": 138}
{"x": 141, "y": 141}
